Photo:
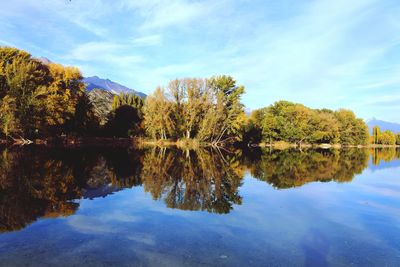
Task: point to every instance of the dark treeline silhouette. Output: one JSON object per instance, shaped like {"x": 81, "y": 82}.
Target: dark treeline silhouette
{"x": 43, "y": 100}
{"x": 37, "y": 182}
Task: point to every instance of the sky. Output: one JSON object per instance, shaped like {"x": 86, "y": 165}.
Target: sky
{"x": 322, "y": 53}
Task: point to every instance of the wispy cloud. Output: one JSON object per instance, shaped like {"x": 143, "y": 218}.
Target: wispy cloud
{"x": 148, "y": 40}
{"x": 162, "y": 14}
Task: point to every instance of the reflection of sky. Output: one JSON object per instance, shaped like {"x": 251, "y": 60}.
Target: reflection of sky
{"x": 316, "y": 224}
{"x": 385, "y": 164}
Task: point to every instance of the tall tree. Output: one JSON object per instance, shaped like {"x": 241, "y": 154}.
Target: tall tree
{"x": 376, "y": 131}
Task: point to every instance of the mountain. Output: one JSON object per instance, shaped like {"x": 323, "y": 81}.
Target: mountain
{"x": 96, "y": 82}
{"x": 383, "y": 125}
{"x": 106, "y": 84}
{"x": 44, "y": 60}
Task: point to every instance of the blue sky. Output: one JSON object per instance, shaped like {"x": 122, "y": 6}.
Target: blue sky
{"x": 334, "y": 54}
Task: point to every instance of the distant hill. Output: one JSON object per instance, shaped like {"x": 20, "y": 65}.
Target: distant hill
{"x": 108, "y": 85}
{"x": 383, "y": 125}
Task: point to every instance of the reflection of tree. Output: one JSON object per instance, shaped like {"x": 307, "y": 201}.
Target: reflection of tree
{"x": 38, "y": 183}
{"x": 384, "y": 154}
{"x": 292, "y": 168}
{"x": 195, "y": 180}
{"x": 35, "y": 183}
{"x": 31, "y": 188}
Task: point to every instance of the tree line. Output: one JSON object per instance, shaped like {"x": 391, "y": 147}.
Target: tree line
{"x": 296, "y": 123}
{"x": 384, "y": 138}
{"x": 40, "y": 100}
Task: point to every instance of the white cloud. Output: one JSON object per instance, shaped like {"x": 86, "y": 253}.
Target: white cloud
{"x": 161, "y": 14}
{"x": 148, "y": 40}
{"x": 105, "y": 52}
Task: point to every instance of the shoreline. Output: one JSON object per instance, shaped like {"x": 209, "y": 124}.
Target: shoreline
{"x": 75, "y": 142}
{"x": 280, "y": 145}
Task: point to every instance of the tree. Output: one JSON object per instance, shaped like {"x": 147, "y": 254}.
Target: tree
{"x": 229, "y": 96}
{"x": 8, "y": 123}
{"x": 126, "y": 116}
{"x": 206, "y": 109}
{"x": 325, "y": 127}
{"x": 353, "y": 131}
{"x": 387, "y": 138}
{"x": 287, "y": 121}
{"x": 59, "y": 99}
{"x": 296, "y": 123}
{"x": 42, "y": 97}
{"x": 376, "y": 131}
{"x": 158, "y": 116}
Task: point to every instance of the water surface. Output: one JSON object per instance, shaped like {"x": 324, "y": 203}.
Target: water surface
{"x": 163, "y": 207}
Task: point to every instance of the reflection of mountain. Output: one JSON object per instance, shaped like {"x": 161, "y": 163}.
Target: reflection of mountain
{"x": 292, "y": 168}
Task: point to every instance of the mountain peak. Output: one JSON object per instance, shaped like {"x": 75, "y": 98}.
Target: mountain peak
{"x": 108, "y": 85}
{"x": 383, "y": 125}
{"x": 44, "y": 60}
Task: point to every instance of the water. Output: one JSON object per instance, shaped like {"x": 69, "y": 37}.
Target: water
{"x": 162, "y": 207}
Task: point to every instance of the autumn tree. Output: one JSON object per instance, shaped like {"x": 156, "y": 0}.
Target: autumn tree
{"x": 59, "y": 99}
{"x": 36, "y": 98}
{"x": 158, "y": 115}
{"x": 387, "y": 138}
{"x": 205, "y": 109}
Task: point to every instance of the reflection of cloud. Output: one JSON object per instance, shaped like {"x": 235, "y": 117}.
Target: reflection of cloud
{"x": 142, "y": 238}
{"x": 381, "y": 208}
{"x": 119, "y": 216}
{"x": 87, "y": 224}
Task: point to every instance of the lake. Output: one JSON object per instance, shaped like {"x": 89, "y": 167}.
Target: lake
{"x": 167, "y": 207}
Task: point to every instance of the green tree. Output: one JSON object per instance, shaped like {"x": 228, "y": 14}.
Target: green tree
{"x": 325, "y": 127}
{"x": 126, "y": 117}
{"x": 376, "y": 135}
{"x": 353, "y": 131}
